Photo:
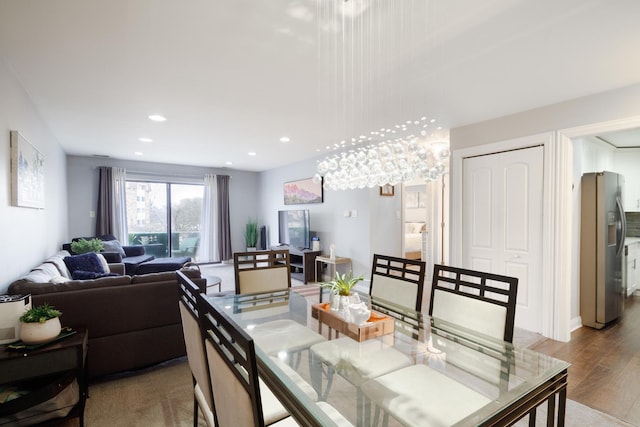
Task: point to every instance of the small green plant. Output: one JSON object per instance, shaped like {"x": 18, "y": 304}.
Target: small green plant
{"x": 251, "y": 233}
{"x": 40, "y": 314}
{"x": 83, "y": 246}
{"x": 342, "y": 285}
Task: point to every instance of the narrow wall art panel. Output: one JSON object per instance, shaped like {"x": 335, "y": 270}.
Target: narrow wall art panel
{"x": 27, "y": 173}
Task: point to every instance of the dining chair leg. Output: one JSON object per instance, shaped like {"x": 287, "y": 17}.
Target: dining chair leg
{"x": 195, "y": 405}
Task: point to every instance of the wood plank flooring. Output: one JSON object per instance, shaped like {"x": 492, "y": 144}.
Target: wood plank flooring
{"x": 605, "y": 364}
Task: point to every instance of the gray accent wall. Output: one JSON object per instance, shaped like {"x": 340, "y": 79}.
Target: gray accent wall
{"x": 28, "y": 235}
{"x": 375, "y": 228}
{"x": 82, "y": 175}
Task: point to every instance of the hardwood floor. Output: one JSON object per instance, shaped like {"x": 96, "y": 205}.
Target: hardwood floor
{"x": 605, "y": 364}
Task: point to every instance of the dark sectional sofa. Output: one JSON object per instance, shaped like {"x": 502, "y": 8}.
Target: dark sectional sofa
{"x": 133, "y": 321}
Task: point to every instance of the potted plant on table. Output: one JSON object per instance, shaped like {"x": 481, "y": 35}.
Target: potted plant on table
{"x": 40, "y": 324}
{"x": 341, "y": 287}
{"x": 83, "y": 246}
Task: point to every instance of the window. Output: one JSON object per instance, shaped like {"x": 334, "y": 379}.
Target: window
{"x": 156, "y": 210}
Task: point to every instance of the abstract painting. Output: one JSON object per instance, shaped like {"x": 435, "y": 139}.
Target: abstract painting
{"x": 27, "y": 173}
{"x": 302, "y": 192}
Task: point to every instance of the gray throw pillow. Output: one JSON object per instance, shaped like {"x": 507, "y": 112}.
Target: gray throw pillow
{"x": 113, "y": 246}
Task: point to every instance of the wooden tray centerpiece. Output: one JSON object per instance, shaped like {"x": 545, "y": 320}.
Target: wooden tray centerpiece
{"x": 377, "y": 325}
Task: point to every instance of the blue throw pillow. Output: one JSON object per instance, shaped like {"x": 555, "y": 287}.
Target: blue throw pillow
{"x": 84, "y": 262}
{"x": 113, "y": 246}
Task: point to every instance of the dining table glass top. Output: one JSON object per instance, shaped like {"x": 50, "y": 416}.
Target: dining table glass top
{"x": 424, "y": 371}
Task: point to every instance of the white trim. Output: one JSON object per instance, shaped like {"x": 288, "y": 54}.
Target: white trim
{"x": 576, "y": 323}
{"x": 557, "y": 229}
{"x": 601, "y": 127}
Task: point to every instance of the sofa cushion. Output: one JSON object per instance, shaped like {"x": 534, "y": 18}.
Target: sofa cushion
{"x": 84, "y": 262}
{"x": 84, "y": 275}
{"x": 48, "y": 269}
{"x": 135, "y": 250}
{"x": 113, "y": 246}
{"x": 58, "y": 261}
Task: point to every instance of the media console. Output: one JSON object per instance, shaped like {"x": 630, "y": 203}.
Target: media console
{"x": 302, "y": 262}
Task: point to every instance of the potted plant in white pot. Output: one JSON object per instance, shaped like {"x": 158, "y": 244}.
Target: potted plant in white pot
{"x": 40, "y": 324}
{"x": 251, "y": 234}
{"x": 341, "y": 287}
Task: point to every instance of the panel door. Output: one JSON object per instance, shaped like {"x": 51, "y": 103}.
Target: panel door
{"x": 502, "y": 223}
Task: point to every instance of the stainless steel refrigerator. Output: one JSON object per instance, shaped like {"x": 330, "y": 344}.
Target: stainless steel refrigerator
{"x": 602, "y": 233}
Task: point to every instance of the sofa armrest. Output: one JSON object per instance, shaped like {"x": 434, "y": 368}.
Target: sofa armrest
{"x": 117, "y": 267}
{"x": 136, "y": 250}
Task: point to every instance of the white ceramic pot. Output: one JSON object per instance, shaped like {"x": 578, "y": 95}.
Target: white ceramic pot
{"x": 39, "y": 333}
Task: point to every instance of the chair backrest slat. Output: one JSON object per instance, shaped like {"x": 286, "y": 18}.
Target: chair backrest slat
{"x": 484, "y": 302}
{"x": 262, "y": 271}
{"x": 398, "y": 280}
{"x": 231, "y": 356}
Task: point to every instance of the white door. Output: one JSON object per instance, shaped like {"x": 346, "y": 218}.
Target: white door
{"x": 502, "y": 223}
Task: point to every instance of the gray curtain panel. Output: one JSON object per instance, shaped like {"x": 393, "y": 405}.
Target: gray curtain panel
{"x": 104, "y": 219}
{"x": 224, "y": 228}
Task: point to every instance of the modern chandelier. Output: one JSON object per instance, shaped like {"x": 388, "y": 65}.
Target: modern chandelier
{"x": 368, "y": 56}
{"x": 405, "y": 155}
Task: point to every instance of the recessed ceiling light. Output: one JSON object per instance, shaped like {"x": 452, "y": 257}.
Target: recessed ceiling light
{"x": 157, "y": 118}
{"x": 285, "y": 139}
{"x": 252, "y": 153}
{"x": 145, "y": 139}
{"x": 138, "y": 153}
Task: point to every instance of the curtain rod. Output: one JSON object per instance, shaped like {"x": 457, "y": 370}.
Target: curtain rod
{"x": 163, "y": 175}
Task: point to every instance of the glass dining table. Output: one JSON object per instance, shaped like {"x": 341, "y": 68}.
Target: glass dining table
{"x": 421, "y": 371}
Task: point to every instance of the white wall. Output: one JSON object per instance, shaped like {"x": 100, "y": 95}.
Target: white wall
{"x": 599, "y": 108}
{"x": 83, "y": 191}
{"x": 28, "y": 235}
{"x": 375, "y": 228}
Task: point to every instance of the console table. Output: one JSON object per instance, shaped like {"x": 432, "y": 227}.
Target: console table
{"x": 320, "y": 260}
{"x": 50, "y": 365}
{"x": 302, "y": 263}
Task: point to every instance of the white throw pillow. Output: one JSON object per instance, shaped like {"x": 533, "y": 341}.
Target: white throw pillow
{"x": 105, "y": 264}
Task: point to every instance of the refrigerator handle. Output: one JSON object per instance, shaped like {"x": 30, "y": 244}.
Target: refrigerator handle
{"x": 623, "y": 222}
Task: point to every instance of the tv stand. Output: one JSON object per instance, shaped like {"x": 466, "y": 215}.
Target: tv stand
{"x": 302, "y": 262}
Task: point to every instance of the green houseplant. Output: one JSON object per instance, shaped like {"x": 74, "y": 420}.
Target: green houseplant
{"x": 251, "y": 233}
{"x": 40, "y": 324}
{"x": 342, "y": 285}
{"x": 83, "y": 246}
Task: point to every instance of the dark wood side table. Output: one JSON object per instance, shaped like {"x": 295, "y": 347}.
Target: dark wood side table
{"x": 59, "y": 359}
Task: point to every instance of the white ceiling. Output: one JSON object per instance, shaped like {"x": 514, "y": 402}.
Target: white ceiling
{"x": 235, "y": 76}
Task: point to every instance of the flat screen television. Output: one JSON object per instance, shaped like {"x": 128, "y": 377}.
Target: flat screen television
{"x": 293, "y": 228}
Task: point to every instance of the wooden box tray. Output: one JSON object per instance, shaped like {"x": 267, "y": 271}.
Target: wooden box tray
{"x": 377, "y": 325}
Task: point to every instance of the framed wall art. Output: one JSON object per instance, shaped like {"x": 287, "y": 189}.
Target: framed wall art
{"x": 27, "y": 173}
{"x": 302, "y": 192}
{"x": 387, "y": 190}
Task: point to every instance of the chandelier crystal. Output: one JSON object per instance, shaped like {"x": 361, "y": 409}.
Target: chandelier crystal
{"x": 408, "y": 157}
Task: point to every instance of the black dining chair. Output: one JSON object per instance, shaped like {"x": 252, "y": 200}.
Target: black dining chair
{"x": 242, "y": 399}
{"x": 194, "y": 342}
{"x": 479, "y": 301}
{"x": 398, "y": 280}
{"x": 262, "y": 271}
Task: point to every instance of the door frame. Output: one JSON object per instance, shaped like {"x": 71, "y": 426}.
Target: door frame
{"x": 556, "y": 223}
{"x": 566, "y": 137}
